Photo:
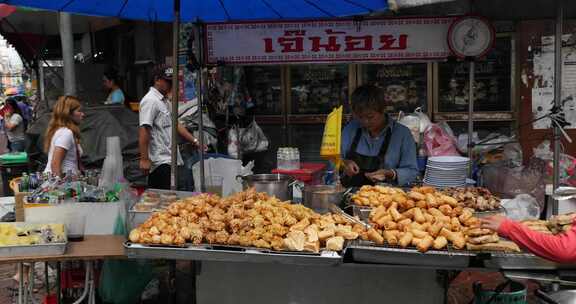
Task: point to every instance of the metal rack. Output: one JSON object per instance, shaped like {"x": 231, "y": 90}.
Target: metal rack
{"x": 222, "y": 253}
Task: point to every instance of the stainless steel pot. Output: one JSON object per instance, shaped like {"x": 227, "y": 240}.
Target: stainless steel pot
{"x": 278, "y": 185}
{"x": 320, "y": 197}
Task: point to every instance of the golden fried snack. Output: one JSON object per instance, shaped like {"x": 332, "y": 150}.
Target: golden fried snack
{"x": 134, "y": 235}
{"x": 491, "y": 238}
{"x": 390, "y": 225}
{"x": 396, "y": 216}
{"x": 466, "y": 214}
{"x": 425, "y": 244}
{"x": 431, "y": 201}
{"x": 435, "y": 229}
{"x": 499, "y": 246}
{"x": 416, "y": 196}
{"x": 335, "y": 243}
{"x": 475, "y": 232}
{"x": 415, "y": 241}
{"x": 326, "y": 233}
{"x": 405, "y": 239}
{"x": 457, "y": 238}
{"x": 295, "y": 240}
{"x": 312, "y": 246}
{"x": 440, "y": 242}
{"x": 418, "y": 215}
{"x": 446, "y": 209}
{"x": 391, "y": 237}
{"x": 419, "y": 233}
{"x": 375, "y": 236}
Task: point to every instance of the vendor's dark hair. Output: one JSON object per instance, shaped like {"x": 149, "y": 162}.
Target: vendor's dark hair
{"x": 368, "y": 97}
{"x": 112, "y": 75}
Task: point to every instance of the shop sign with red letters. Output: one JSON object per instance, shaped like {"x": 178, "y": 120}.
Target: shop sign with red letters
{"x": 369, "y": 40}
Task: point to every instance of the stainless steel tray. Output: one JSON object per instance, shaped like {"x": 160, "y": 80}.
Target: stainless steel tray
{"x": 231, "y": 254}
{"x": 521, "y": 261}
{"x": 367, "y": 252}
{"x": 33, "y": 250}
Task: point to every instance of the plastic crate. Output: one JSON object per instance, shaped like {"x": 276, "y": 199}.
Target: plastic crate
{"x": 309, "y": 173}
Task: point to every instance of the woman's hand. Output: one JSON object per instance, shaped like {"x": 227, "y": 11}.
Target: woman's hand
{"x": 492, "y": 222}
{"x": 381, "y": 175}
{"x": 351, "y": 168}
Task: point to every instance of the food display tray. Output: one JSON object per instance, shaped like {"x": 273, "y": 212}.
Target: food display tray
{"x": 498, "y": 211}
{"x": 521, "y": 261}
{"x": 368, "y": 252}
{"x": 224, "y": 253}
{"x": 33, "y": 250}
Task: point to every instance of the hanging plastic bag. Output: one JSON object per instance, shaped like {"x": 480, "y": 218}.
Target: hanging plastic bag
{"x": 253, "y": 139}
{"x": 438, "y": 142}
{"x": 412, "y": 122}
{"x": 332, "y": 137}
{"x": 424, "y": 119}
{"x": 233, "y": 142}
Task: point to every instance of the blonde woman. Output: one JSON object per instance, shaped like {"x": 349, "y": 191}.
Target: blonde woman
{"x": 62, "y": 139}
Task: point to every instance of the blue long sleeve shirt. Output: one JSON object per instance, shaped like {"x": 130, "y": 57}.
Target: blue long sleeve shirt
{"x": 401, "y": 155}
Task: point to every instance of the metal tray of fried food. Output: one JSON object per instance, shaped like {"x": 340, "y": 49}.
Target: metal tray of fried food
{"x": 521, "y": 261}
{"x": 33, "y": 250}
{"x": 224, "y": 253}
{"x": 368, "y": 252}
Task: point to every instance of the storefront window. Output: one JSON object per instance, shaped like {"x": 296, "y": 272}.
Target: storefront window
{"x": 405, "y": 85}
{"x": 317, "y": 89}
{"x": 251, "y": 90}
{"x": 493, "y": 80}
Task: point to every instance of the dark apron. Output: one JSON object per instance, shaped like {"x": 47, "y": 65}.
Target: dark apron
{"x": 366, "y": 164}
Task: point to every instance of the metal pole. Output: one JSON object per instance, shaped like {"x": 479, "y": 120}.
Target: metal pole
{"x": 175, "y": 97}
{"x": 557, "y": 95}
{"x": 67, "y": 42}
{"x": 41, "y": 87}
{"x": 201, "y": 90}
{"x": 470, "y": 115}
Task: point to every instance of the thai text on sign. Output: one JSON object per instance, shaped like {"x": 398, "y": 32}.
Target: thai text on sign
{"x": 328, "y": 41}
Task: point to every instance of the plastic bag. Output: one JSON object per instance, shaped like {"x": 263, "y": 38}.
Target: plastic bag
{"x": 543, "y": 151}
{"x": 332, "y": 137}
{"x": 424, "y": 120}
{"x": 522, "y": 207}
{"x": 438, "y": 142}
{"x": 233, "y": 142}
{"x": 412, "y": 122}
{"x": 253, "y": 139}
{"x": 122, "y": 281}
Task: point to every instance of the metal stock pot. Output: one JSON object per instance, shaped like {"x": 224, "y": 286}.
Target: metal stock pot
{"x": 278, "y": 185}
{"x": 320, "y": 197}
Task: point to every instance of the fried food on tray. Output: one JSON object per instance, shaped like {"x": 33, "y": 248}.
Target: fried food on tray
{"x": 248, "y": 219}
{"x": 499, "y": 246}
{"x": 432, "y": 220}
{"x": 477, "y": 198}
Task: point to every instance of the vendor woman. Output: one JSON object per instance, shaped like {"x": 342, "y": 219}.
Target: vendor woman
{"x": 375, "y": 148}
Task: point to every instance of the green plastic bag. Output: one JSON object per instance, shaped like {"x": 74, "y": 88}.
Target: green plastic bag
{"x": 122, "y": 281}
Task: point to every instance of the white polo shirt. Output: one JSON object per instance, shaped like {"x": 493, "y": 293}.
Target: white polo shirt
{"x": 155, "y": 114}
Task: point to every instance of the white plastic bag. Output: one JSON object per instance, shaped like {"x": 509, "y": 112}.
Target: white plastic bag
{"x": 522, "y": 207}
{"x": 233, "y": 142}
{"x": 253, "y": 139}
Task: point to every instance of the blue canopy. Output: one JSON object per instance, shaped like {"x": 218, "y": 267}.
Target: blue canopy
{"x": 209, "y": 10}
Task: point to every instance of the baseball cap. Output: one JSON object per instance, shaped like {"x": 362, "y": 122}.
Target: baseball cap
{"x": 165, "y": 74}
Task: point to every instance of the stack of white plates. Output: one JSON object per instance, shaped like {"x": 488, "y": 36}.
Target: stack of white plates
{"x": 446, "y": 171}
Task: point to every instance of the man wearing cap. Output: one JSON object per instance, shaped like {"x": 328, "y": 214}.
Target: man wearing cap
{"x": 155, "y": 132}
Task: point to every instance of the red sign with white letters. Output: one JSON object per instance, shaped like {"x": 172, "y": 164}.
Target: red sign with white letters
{"x": 370, "y": 40}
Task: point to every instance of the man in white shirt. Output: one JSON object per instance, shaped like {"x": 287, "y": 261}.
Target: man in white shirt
{"x": 155, "y": 132}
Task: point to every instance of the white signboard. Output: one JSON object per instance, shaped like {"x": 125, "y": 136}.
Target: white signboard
{"x": 371, "y": 40}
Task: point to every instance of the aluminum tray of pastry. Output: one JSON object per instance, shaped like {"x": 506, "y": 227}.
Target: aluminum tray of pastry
{"x": 521, "y": 261}
{"x": 225, "y": 253}
{"x": 368, "y": 252}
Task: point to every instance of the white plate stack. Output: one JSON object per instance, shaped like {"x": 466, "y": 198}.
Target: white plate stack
{"x": 446, "y": 171}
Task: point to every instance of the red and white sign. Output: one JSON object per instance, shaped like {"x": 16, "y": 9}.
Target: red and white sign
{"x": 369, "y": 40}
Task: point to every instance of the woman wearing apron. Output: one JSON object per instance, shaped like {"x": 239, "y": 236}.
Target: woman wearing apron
{"x": 375, "y": 147}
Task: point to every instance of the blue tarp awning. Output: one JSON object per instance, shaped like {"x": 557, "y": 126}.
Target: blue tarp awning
{"x": 210, "y": 10}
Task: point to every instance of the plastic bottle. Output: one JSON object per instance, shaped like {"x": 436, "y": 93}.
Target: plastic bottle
{"x": 25, "y": 182}
{"x": 281, "y": 158}
{"x": 296, "y": 159}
